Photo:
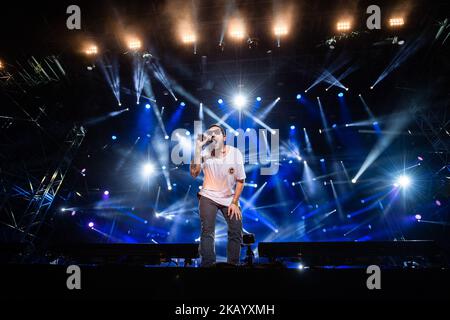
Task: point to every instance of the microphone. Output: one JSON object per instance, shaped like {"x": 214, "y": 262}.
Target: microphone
{"x": 207, "y": 137}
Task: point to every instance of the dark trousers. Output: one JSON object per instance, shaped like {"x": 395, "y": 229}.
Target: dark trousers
{"x": 208, "y": 212}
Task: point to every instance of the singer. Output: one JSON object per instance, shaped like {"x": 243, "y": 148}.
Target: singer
{"x": 223, "y": 169}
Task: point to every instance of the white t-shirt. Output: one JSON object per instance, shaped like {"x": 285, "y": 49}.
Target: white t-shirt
{"x": 220, "y": 175}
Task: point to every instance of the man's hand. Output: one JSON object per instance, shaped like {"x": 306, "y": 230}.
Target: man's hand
{"x": 200, "y": 142}
{"x": 234, "y": 210}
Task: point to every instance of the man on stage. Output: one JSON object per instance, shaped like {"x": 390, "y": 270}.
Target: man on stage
{"x": 223, "y": 169}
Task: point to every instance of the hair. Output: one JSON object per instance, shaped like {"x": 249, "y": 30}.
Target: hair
{"x": 220, "y": 127}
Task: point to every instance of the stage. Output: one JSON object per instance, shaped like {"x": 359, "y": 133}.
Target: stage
{"x": 305, "y": 142}
{"x": 260, "y": 284}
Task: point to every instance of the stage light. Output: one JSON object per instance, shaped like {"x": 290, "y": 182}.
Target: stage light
{"x": 353, "y": 180}
{"x": 280, "y": 29}
{"x": 183, "y": 104}
{"x": 114, "y": 137}
{"x": 91, "y": 50}
{"x": 237, "y": 29}
{"x": 340, "y": 94}
{"x": 166, "y": 137}
{"x": 106, "y": 193}
{"x": 63, "y": 209}
{"x": 1, "y": 65}
{"x": 299, "y": 96}
{"x": 239, "y": 101}
{"x": 220, "y": 101}
{"x": 247, "y": 130}
{"x": 300, "y": 266}
{"x": 293, "y": 184}
{"x": 418, "y": 217}
{"x": 290, "y": 161}
{"x": 292, "y": 127}
{"x": 396, "y": 22}
{"x": 371, "y": 87}
{"x": 147, "y": 169}
{"x": 188, "y": 133}
{"x": 343, "y": 25}
{"x": 189, "y": 38}
{"x": 120, "y": 104}
{"x": 322, "y": 160}
{"x": 403, "y": 181}
{"x": 299, "y": 158}
{"x": 346, "y": 89}
{"x": 91, "y": 225}
{"x": 147, "y": 106}
{"x": 258, "y": 99}
{"x": 134, "y": 44}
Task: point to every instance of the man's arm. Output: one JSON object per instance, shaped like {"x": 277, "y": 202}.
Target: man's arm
{"x": 238, "y": 191}
{"x": 195, "y": 166}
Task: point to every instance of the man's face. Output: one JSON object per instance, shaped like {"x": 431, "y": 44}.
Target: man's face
{"x": 216, "y": 135}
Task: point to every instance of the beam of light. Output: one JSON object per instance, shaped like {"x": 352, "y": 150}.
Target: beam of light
{"x": 262, "y": 217}
{"x": 139, "y": 76}
{"x": 200, "y": 112}
{"x": 345, "y": 171}
{"x": 308, "y": 178}
{"x": 219, "y": 120}
{"x": 160, "y": 121}
{"x": 373, "y": 205}
{"x": 342, "y": 76}
{"x": 161, "y": 76}
{"x": 332, "y": 80}
{"x": 258, "y": 121}
{"x": 327, "y": 73}
{"x": 110, "y": 70}
{"x": 230, "y": 8}
{"x": 126, "y": 155}
{"x": 396, "y": 123}
{"x": 366, "y": 107}
{"x": 253, "y": 197}
{"x": 157, "y": 199}
{"x": 402, "y": 55}
{"x": 267, "y": 109}
{"x": 309, "y": 148}
{"x": 324, "y": 123}
{"x": 96, "y": 120}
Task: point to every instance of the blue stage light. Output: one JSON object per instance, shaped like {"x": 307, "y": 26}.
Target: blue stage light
{"x": 182, "y": 104}
{"x": 322, "y": 160}
{"x": 114, "y": 137}
{"x": 220, "y": 101}
{"x": 299, "y": 96}
{"x": 147, "y": 106}
{"x": 340, "y": 94}
{"x": 258, "y": 99}
{"x": 292, "y": 127}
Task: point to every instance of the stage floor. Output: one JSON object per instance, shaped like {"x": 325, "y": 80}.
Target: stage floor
{"x": 260, "y": 283}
